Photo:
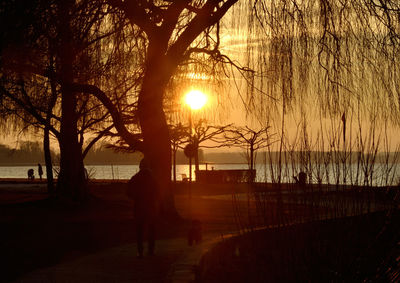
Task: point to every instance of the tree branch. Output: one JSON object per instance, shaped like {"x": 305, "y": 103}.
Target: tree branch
{"x": 206, "y": 17}
{"x": 116, "y": 116}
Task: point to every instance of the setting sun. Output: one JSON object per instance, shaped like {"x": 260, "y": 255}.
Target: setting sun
{"x": 195, "y": 99}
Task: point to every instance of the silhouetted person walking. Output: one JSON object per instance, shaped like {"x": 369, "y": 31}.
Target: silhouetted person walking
{"x": 40, "y": 171}
{"x": 143, "y": 188}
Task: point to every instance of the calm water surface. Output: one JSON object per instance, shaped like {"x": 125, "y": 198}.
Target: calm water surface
{"x": 380, "y": 174}
{"x": 109, "y": 172}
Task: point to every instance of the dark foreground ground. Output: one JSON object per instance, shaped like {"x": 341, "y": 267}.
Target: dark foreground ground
{"x": 37, "y": 234}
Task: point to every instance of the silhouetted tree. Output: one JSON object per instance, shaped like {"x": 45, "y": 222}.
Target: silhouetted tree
{"x": 167, "y": 30}
{"x": 249, "y": 139}
{"x": 203, "y": 132}
{"x": 28, "y": 108}
{"x": 63, "y": 43}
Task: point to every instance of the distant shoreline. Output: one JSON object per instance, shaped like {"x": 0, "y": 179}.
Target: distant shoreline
{"x": 34, "y": 165}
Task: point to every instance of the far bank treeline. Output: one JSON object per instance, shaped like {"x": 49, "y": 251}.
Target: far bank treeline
{"x": 31, "y": 153}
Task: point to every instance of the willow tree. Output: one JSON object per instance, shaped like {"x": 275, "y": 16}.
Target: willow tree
{"x": 337, "y": 55}
{"x": 171, "y": 27}
{"x": 316, "y": 62}
{"x": 47, "y": 45}
{"x": 171, "y": 33}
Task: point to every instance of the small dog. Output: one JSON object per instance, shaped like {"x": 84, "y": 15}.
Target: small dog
{"x": 194, "y": 235}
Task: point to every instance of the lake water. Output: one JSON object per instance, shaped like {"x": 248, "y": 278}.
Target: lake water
{"x": 331, "y": 174}
{"x": 111, "y": 172}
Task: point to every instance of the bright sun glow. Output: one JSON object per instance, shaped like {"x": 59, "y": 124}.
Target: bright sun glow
{"x": 195, "y": 99}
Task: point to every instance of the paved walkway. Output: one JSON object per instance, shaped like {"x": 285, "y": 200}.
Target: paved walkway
{"x": 174, "y": 261}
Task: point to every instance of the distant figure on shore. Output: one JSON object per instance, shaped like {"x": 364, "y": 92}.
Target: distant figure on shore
{"x": 301, "y": 181}
{"x": 40, "y": 171}
{"x": 31, "y": 175}
{"x": 195, "y": 233}
{"x": 143, "y": 189}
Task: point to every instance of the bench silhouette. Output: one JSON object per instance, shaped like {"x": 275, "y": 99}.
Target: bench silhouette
{"x": 225, "y": 176}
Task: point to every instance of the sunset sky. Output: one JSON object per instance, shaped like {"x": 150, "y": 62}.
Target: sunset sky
{"x": 228, "y": 100}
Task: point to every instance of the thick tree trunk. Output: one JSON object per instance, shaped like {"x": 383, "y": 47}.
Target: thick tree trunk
{"x": 156, "y": 139}
{"x": 157, "y": 149}
{"x": 71, "y": 180}
{"x": 48, "y": 162}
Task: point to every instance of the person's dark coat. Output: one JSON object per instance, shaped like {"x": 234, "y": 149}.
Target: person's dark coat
{"x": 143, "y": 189}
